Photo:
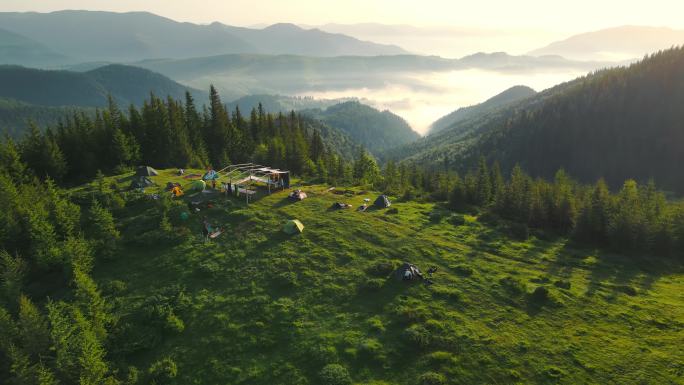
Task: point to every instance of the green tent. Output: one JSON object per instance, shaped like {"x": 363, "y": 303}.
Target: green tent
{"x": 293, "y": 226}
{"x": 198, "y": 185}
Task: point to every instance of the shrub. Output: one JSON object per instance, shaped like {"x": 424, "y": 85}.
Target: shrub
{"x": 436, "y": 216}
{"x": 115, "y": 287}
{"x": 445, "y": 292}
{"x": 323, "y": 354}
{"x": 463, "y": 270}
{"x": 163, "y": 371}
{"x": 488, "y": 217}
{"x": 418, "y": 335}
{"x": 286, "y": 279}
{"x": 457, "y": 220}
{"x": 375, "y": 324}
{"x": 133, "y": 376}
{"x": 334, "y": 374}
{"x": 562, "y": 284}
{"x": 373, "y": 284}
{"x": 409, "y": 195}
{"x": 540, "y": 294}
{"x": 512, "y": 285}
{"x": 519, "y": 231}
{"x": 173, "y": 323}
{"x": 629, "y": 290}
{"x": 431, "y": 378}
{"x": 382, "y": 268}
{"x": 371, "y": 349}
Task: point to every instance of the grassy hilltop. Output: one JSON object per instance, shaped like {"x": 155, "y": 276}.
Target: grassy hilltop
{"x": 257, "y": 306}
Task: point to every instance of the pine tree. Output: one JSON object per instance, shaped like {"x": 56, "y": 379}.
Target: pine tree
{"x": 33, "y": 329}
{"x": 483, "y": 189}
{"x": 12, "y": 273}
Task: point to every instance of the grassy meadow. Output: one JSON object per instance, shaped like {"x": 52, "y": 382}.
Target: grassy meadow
{"x": 258, "y": 306}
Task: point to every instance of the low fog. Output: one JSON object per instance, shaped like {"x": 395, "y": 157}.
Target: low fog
{"x": 423, "y": 98}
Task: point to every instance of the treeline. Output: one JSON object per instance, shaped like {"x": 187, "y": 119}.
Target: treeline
{"x": 637, "y": 218}
{"x": 169, "y": 133}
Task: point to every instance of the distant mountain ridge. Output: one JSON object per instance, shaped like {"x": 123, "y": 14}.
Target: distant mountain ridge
{"x": 618, "y": 43}
{"x": 125, "y": 84}
{"x": 511, "y": 95}
{"x": 17, "y": 49}
{"x": 133, "y": 36}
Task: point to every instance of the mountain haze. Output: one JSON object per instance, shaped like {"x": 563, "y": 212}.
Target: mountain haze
{"x": 132, "y": 36}
{"x": 617, "y": 43}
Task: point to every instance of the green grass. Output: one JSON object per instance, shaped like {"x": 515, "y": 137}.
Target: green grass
{"x": 260, "y": 307}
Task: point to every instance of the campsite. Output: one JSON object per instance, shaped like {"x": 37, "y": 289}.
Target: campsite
{"x": 259, "y": 303}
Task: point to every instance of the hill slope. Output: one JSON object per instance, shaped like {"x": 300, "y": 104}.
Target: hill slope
{"x": 618, "y": 124}
{"x": 258, "y": 306}
{"x": 134, "y": 36}
{"x": 511, "y": 95}
{"x": 374, "y": 129}
{"x": 64, "y": 88}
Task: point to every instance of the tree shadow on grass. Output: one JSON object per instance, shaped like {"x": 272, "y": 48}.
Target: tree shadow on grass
{"x": 616, "y": 272}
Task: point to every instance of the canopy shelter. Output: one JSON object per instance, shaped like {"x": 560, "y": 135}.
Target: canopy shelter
{"x": 241, "y": 178}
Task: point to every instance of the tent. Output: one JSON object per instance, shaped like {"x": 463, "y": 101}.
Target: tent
{"x": 293, "y": 226}
{"x": 146, "y": 171}
{"x": 210, "y": 175}
{"x": 141, "y": 182}
{"x": 408, "y": 272}
{"x": 297, "y": 195}
{"x": 198, "y": 185}
{"x": 382, "y": 202}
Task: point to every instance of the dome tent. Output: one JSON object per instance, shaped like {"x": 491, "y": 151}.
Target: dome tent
{"x": 382, "y": 202}
{"x": 146, "y": 171}
{"x": 293, "y": 226}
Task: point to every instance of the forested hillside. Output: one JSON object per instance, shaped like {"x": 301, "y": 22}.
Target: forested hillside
{"x": 374, "y": 129}
{"x": 615, "y": 124}
{"x": 126, "y": 84}
{"x": 509, "y": 96}
{"x": 16, "y": 116}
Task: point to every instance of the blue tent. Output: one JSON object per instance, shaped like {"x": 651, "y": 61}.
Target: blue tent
{"x": 210, "y": 175}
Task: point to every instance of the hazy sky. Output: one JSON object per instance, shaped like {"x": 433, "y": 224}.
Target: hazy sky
{"x": 570, "y": 16}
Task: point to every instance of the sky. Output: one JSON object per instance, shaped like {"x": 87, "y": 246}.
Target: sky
{"x": 566, "y": 16}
